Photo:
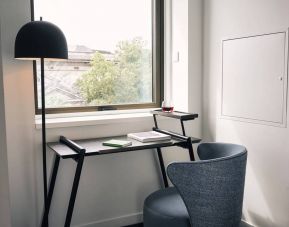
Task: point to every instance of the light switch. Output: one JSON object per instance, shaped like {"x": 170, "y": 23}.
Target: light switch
{"x": 176, "y": 56}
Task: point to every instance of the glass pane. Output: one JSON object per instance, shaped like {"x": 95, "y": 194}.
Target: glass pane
{"x": 110, "y": 52}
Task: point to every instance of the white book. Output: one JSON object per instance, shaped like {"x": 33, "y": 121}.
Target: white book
{"x": 149, "y": 136}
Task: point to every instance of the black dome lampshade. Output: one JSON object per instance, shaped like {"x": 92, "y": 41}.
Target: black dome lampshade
{"x": 40, "y": 39}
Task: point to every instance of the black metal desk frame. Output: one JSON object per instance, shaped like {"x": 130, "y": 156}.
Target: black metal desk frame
{"x": 78, "y": 154}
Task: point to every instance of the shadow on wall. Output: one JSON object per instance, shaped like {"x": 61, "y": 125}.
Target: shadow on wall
{"x": 259, "y": 220}
{"x": 244, "y": 224}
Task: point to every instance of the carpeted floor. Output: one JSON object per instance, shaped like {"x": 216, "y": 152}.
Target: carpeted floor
{"x": 243, "y": 224}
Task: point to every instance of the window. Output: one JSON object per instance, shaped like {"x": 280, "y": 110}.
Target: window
{"x": 115, "y": 50}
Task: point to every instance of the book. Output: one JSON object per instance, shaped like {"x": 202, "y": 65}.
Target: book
{"x": 149, "y": 136}
{"x": 117, "y": 143}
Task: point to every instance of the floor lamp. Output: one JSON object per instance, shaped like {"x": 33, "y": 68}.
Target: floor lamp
{"x": 41, "y": 40}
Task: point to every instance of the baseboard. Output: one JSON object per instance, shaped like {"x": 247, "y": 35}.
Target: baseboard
{"x": 124, "y": 220}
{"x": 129, "y": 219}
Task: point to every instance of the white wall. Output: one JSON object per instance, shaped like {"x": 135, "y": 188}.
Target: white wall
{"x": 112, "y": 187}
{"x": 266, "y": 201}
{"x": 18, "y": 106}
{"x": 187, "y": 56}
{"x": 5, "y": 217}
{"x": 180, "y": 55}
{"x": 195, "y": 63}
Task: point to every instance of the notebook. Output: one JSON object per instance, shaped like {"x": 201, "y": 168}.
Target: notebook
{"x": 117, "y": 143}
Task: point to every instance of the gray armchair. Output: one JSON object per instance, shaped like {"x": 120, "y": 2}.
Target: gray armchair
{"x": 207, "y": 193}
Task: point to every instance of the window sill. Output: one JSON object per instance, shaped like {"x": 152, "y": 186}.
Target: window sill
{"x": 89, "y": 119}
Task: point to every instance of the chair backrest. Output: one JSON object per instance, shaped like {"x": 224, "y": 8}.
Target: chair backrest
{"x": 212, "y": 188}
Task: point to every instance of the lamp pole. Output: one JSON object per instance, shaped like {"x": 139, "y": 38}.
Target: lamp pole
{"x": 43, "y": 141}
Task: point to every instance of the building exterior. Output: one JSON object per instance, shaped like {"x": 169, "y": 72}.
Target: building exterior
{"x": 61, "y": 76}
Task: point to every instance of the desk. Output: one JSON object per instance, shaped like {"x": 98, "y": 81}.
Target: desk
{"x": 79, "y": 149}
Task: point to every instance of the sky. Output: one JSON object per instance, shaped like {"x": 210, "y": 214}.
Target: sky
{"x": 98, "y": 24}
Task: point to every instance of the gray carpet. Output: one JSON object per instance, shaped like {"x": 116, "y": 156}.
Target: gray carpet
{"x": 243, "y": 224}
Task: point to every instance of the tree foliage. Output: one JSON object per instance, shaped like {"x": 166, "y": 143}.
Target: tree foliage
{"x": 125, "y": 79}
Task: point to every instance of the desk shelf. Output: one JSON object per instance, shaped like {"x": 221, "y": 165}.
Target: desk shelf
{"x": 176, "y": 114}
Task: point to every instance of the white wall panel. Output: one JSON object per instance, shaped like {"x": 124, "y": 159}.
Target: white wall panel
{"x": 254, "y": 79}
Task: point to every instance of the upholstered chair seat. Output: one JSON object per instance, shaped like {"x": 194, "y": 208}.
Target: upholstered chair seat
{"x": 165, "y": 207}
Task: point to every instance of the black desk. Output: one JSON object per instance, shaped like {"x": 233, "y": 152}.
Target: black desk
{"x": 79, "y": 149}
{"x": 95, "y": 147}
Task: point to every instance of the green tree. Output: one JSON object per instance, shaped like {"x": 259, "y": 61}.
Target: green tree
{"x": 125, "y": 79}
{"x": 97, "y": 85}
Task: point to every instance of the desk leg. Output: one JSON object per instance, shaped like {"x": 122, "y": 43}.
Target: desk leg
{"x": 163, "y": 169}
{"x": 44, "y": 222}
{"x": 74, "y": 190}
{"x": 191, "y": 151}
